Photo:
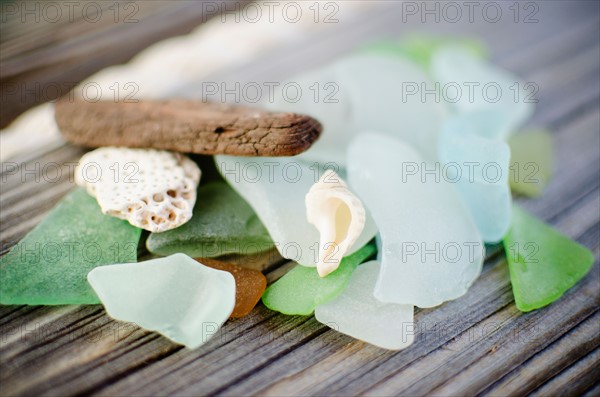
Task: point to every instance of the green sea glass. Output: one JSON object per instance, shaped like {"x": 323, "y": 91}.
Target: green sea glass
{"x": 301, "y": 290}
{"x": 49, "y": 266}
{"x": 531, "y": 161}
{"x": 222, "y": 223}
{"x": 543, "y": 263}
{"x": 420, "y": 48}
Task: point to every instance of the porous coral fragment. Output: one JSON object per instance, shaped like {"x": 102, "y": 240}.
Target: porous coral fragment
{"x": 152, "y": 189}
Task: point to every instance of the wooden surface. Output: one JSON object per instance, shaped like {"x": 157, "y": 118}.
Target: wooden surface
{"x": 478, "y": 344}
{"x": 45, "y": 52}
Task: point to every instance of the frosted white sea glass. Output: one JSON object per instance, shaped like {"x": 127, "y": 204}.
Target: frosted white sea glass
{"x": 324, "y": 98}
{"x": 432, "y": 250}
{"x": 366, "y": 91}
{"x": 496, "y": 100}
{"x": 276, "y": 189}
{"x": 357, "y": 313}
{"x": 389, "y": 95}
{"x": 176, "y": 296}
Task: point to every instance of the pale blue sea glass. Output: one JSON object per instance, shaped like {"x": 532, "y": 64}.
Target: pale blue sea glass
{"x": 431, "y": 249}
{"x": 176, "y": 296}
{"x": 479, "y": 167}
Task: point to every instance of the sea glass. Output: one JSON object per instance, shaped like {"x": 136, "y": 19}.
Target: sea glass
{"x": 543, "y": 263}
{"x": 175, "y": 296}
{"x": 319, "y": 94}
{"x": 479, "y": 168}
{"x": 352, "y": 98}
{"x": 49, "y": 265}
{"x": 492, "y": 96}
{"x": 276, "y": 190}
{"x": 420, "y": 48}
{"x": 389, "y": 95}
{"x": 301, "y": 289}
{"x": 223, "y": 223}
{"x": 356, "y": 312}
{"x": 432, "y": 250}
{"x": 530, "y": 162}
{"x": 249, "y": 285}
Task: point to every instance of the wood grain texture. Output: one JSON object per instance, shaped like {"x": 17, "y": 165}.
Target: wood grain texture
{"x": 186, "y": 125}
{"x": 47, "y": 50}
{"x": 477, "y": 344}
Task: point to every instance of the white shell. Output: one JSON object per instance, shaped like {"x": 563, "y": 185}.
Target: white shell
{"x": 277, "y": 195}
{"x": 338, "y": 215}
{"x": 152, "y": 189}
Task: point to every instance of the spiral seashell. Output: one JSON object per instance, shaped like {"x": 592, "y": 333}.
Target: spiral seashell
{"x": 338, "y": 215}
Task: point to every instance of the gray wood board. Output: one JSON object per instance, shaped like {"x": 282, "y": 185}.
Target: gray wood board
{"x": 478, "y": 344}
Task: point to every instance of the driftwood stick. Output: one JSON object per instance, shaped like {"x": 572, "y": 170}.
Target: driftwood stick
{"x": 185, "y": 125}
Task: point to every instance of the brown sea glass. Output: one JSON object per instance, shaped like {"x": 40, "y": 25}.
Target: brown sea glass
{"x": 249, "y": 285}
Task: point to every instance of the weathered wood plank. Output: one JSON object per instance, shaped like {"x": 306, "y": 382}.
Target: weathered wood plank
{"x": 553, "y": 48}
{"x": 593, "y": 391}
{"x": 467, "y": 367}
{"x": 33, "y": 28}
{"x": 58, "y": 55}
{"x": 576, "y": 380}
{"x": 579, "y": 342}
{"x": 466, "y": 346}
{"x": 575, "y": 176}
